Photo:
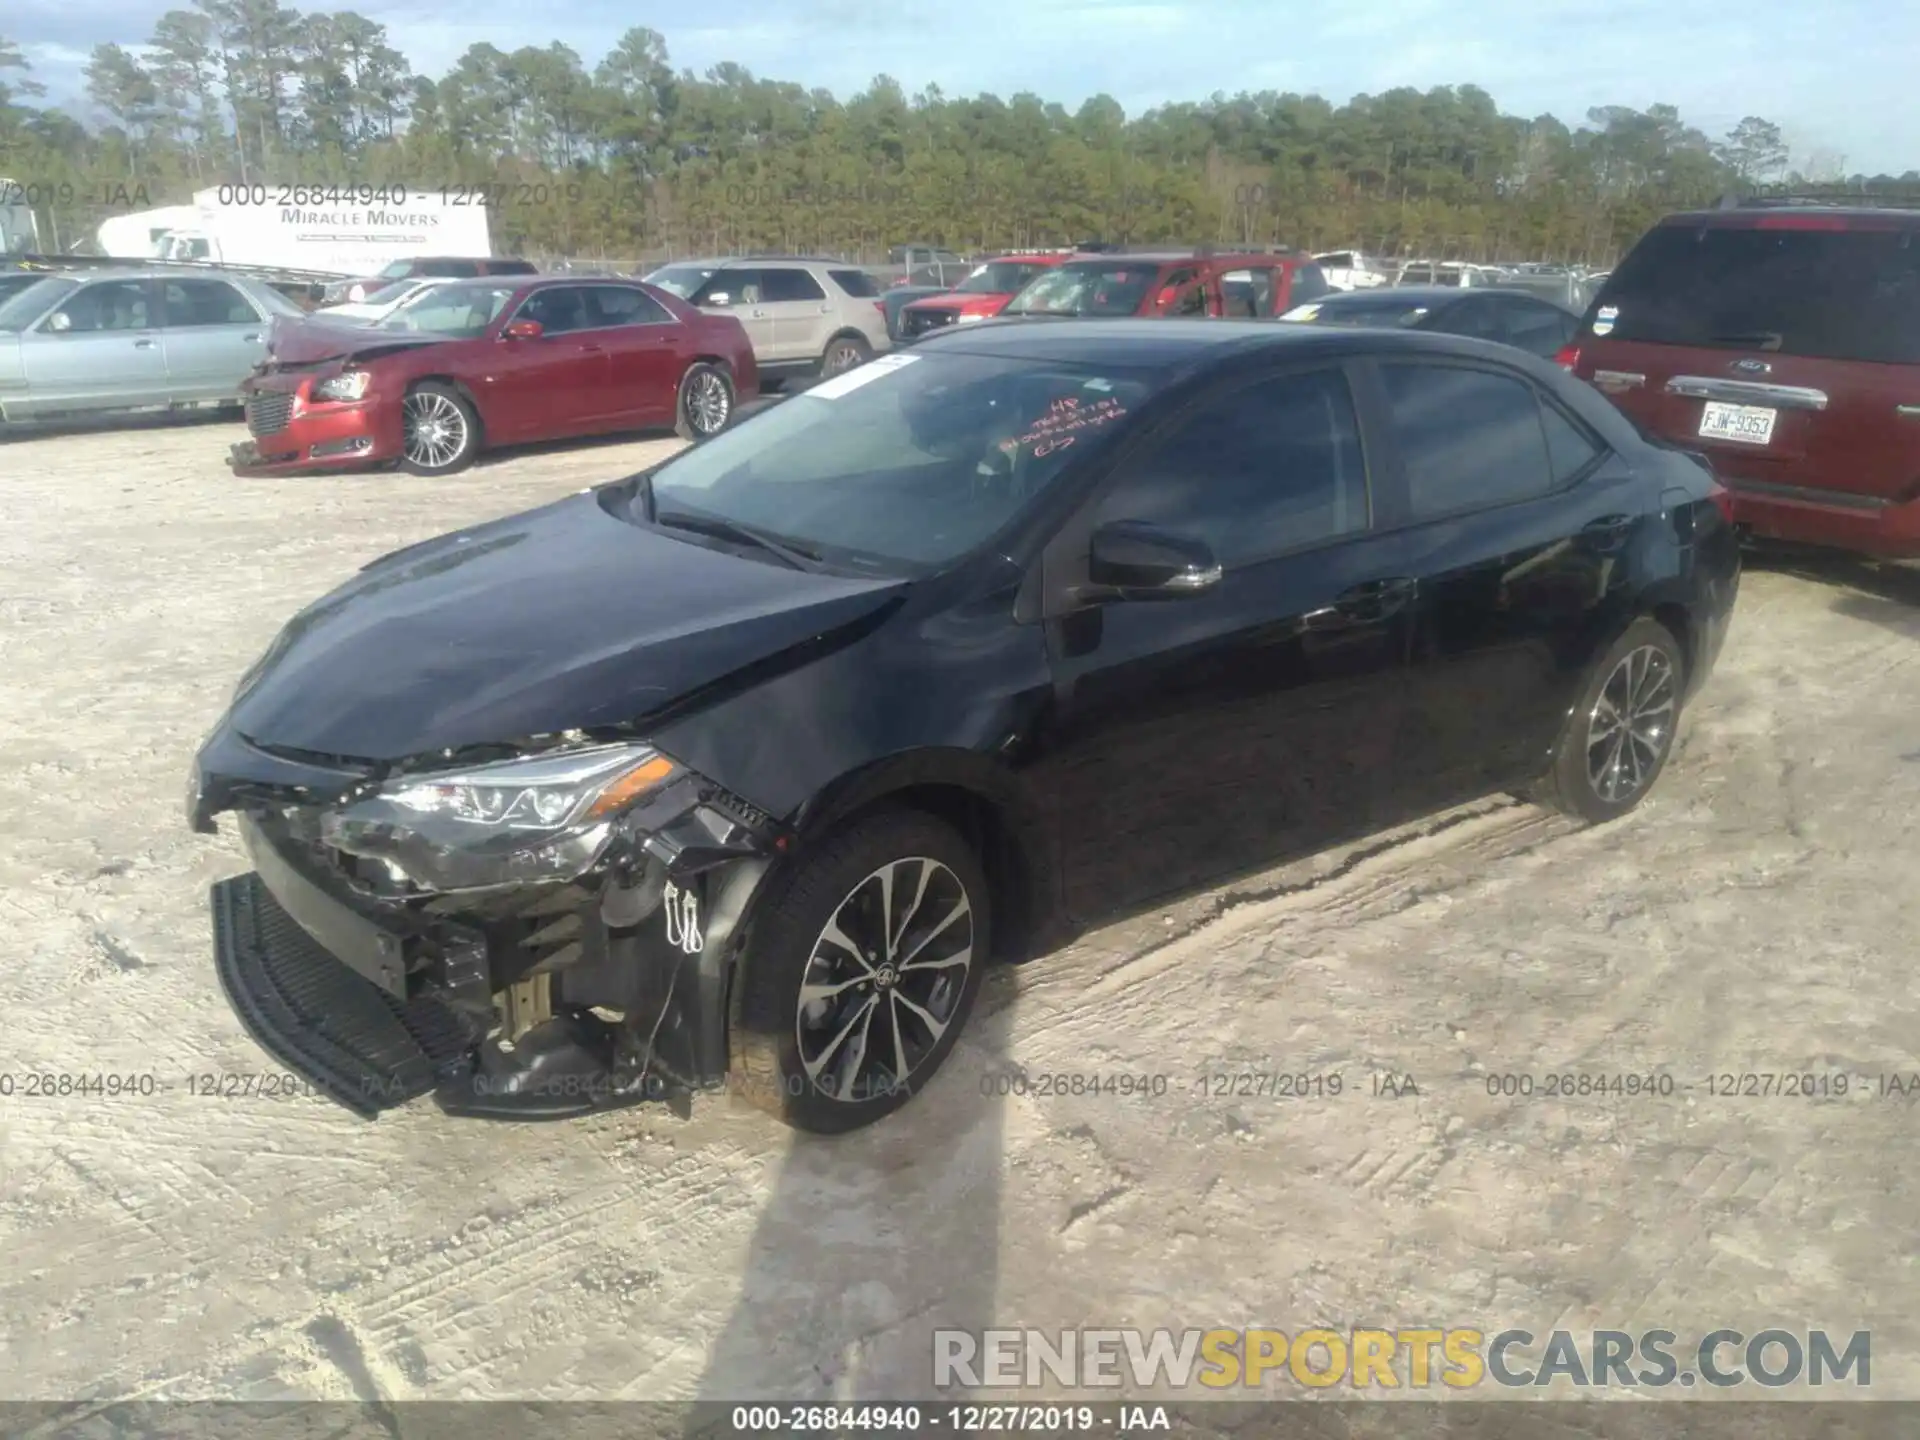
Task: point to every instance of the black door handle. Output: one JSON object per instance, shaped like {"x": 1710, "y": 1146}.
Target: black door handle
{"x": 1361, "y": 604}
{"x": 1607, "y": 532}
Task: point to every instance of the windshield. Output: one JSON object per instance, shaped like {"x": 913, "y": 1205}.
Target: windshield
{"x": 392, "y": 290}
{"x": 906, "y": 463}
{"x": 22, "y": 307}
{"x": 460, "y": 311}
{"x": 1001, "y": 277}
{"x": 680, "y": 280}
{"x": 399, "y": 269}
{"x": 1822, "y": 293}
{"x": 1087, "y": 287}
{"x": 1362, "y": 307}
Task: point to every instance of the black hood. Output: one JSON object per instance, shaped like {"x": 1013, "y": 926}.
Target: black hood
{"x": 565, "y": 617}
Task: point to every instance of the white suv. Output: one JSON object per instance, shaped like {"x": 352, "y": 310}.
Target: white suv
{"x": 803, "y": 317}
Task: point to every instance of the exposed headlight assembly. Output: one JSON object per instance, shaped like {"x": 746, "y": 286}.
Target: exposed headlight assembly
{"x": 349, "y": 385}
{"x": 542, "y": 818}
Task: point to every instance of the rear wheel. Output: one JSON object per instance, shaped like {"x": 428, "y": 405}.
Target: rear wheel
{"x": 440, "y": 433}
{"x": 1617, "y": 739}
{"x": 706, "y": 402}
{"x": 861, "y": 973}
{"x": 843, "y": 353}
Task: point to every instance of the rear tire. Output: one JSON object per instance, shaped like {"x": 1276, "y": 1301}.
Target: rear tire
{"x": 1617, "y": 739}
{"x": 843, "y": 352}
{"x": 440, "y": 431}
{"x": 883, "y": 931}
{"x": 704, "y": 406}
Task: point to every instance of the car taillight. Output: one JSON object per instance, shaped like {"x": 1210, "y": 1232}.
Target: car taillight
{"x": 1568, "y": 358}
{"x": 1722, "y": 499}
{"x": 881, "y": 306}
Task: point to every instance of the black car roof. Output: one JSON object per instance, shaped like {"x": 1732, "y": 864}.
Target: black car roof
{"x": 1431, "y": 294}
{"x": 1170, "y": 344}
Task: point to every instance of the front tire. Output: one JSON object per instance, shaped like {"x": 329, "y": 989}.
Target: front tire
{"x": 705, "y": 404}
{"x": 439, "y": 430}
{"x": 861, "y": 973}
{"x": 1617, "y": 739}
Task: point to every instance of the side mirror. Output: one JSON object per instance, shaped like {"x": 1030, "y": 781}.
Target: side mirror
{"x": 1131, "y": 560}
{"x": 60, "y": 322}
{"x": 524, "y": 330}
{"x": 720, "y": 298}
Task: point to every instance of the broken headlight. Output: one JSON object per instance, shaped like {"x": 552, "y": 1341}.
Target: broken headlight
{"x": 513, "y": 822}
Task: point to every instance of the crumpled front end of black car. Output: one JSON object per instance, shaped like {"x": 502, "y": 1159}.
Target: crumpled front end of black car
{"x": 530, "y": 935}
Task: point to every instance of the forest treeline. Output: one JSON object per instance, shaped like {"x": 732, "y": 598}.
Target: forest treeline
{"x": 629, "y": 157}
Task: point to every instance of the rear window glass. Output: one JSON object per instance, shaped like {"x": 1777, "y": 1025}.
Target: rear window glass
{"x": 1837, "y": 295}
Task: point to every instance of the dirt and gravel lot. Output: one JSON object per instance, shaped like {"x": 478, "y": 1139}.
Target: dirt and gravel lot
{"x": 1757, "y": 915}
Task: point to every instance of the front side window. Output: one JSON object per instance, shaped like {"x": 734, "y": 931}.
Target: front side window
{"x": 559, "y": 310}
{"x": 1268, "y": 467}
{"x": 1470, "y": 439}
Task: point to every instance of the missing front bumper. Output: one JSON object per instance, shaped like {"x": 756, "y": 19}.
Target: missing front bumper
{"x": 362, "y": 1046}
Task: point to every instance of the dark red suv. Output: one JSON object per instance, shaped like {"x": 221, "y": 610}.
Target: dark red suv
{"x": 1781, "y": 340}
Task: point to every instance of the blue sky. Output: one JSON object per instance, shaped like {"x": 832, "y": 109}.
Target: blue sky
{"x": 1838, "y": 76}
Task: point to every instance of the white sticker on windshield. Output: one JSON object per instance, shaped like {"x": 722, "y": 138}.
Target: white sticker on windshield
{"x": 861, "y": 375}
{"x": 1603, "y": 319}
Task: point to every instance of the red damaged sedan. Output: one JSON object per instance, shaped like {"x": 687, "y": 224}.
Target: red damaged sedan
{"x": 474, "y": 364}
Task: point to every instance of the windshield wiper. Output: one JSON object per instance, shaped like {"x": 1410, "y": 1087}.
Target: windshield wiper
{"x": 1758, "y": 339}
{"x": 722, "y": 528}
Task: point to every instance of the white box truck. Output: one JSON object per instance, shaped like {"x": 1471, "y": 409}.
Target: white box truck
{"x": 332, "y": 230}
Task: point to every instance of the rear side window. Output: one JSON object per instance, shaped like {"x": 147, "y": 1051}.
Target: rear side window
{"x": 1266, "y": 467}
{"x": 856, "y": 283}
{"x": 791, "y": 285}
{"x": 1826, "y": 294}
{"x": 451, "y": 269}
{"x": 1538, "y": 329}
{"x": 1569, "y": 448}
{"x": 511, "y": 267}
{"x": 1470, "y": 439}
{"x": 624, "y": 305}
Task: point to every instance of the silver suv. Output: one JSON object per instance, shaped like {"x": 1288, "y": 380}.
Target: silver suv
{"x": 804, "y": 317}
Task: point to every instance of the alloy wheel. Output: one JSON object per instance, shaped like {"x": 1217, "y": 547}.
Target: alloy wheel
{"x": 1631, "y": 724}
{"x": 843, "y": 355}
{"x": 884, "y": 980}
{"x": 434, "y": 430}
{"x": 708, "y": 403}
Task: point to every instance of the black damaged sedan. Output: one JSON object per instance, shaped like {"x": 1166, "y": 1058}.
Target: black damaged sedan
{"x": 738, "y": 772}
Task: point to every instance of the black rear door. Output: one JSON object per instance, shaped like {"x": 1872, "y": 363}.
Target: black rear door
{"x": 1519, "y": 522}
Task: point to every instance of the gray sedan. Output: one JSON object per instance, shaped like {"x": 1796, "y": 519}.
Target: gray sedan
{"x": 107, "y": 340}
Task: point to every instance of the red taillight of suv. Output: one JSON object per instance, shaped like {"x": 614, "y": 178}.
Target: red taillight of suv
{"x": 881, "y": 306}
{"x": 1568, "y": 358}
{"x": 1722, "y": 499}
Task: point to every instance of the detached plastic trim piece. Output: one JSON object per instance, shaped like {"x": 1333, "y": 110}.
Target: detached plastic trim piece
{"x": 357, "y": 1044}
